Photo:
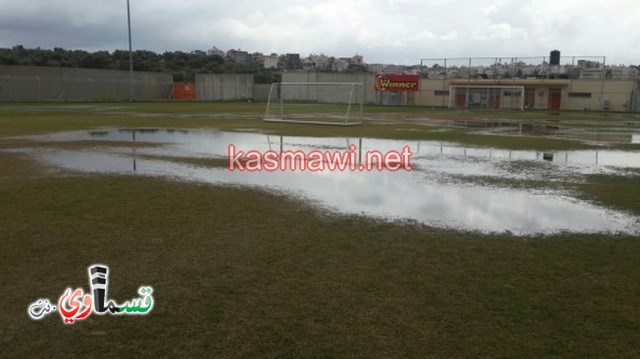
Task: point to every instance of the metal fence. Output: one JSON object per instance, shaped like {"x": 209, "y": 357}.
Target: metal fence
{"x": 568, "y": 67}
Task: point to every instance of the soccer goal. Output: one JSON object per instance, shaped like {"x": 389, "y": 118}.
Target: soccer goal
{"x": 491, "y": 97}
{"x": 323, "y": 103}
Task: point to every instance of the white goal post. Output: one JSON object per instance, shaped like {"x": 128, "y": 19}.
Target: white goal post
{"x": 491, "y": 97}
{"x": 323, "y": 103}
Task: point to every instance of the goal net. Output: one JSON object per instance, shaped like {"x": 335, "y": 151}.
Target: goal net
{"x": 491, "y": 97}
{"x": 327, "y": 103}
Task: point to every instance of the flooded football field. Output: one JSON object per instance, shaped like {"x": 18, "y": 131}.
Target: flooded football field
{"x": 442, "y": 190}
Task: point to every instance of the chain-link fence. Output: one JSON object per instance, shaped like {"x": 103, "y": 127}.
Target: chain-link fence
{"x": 539, "y": 67}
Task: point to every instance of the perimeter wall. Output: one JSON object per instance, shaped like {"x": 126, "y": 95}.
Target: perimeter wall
{"x": 35, "y": 83}
{"x": 576, "y": 94}
{"x": 39, "y": 83}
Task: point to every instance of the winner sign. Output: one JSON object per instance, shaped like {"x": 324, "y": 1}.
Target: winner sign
{"x": 398, "y": 83}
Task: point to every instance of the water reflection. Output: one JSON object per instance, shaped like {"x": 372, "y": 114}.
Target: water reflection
{"x": 519, "y": 128}
{"x": 426, "y": 195}
{"x": 190, "y": 143}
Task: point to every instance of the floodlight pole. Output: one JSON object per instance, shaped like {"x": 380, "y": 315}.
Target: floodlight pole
{"x": 130, "y": 55}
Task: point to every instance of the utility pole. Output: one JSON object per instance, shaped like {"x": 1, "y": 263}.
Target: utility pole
{"x": 130, "y": 55}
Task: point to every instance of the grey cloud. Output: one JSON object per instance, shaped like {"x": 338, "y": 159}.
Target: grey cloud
{"x": 400, "y": 31}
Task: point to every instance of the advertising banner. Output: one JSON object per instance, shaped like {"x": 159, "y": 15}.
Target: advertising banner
{"x": 401, "y": 83}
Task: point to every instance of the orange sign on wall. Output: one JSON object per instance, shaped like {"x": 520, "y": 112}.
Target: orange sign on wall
{"x": 184, "y": 91}
{"x": 397, "y": 83}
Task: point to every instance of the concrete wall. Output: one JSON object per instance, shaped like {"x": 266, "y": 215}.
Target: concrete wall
{"x": 431, "y": 93}
{"x": 610, "y": 95}
{"x": 35, "y": 83}
{"x": 367, "y": 80}
{"x": 371, "y": 96}
{"x": 261, "y": 92}
{"x": 224, "y": 87}
{"x": 39, "y": 83}
{"x": 616, "y": 92}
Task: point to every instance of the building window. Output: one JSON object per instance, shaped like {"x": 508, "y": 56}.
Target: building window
{"x": 512, "y": 92}
{"x": 580, "y": 94}
{"x": 441, "y": 93}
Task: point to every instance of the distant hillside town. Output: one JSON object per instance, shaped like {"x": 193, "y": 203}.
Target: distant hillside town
{"x": 313, "y": 62}
{"x": 585, "y": 68}
{"x": 293, "y": 61}
{"x": 268, "y": 68}
{"x": 550, "y": 82}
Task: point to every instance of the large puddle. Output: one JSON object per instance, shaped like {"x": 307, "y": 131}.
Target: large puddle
{"x": 625, "y": 132}
{"x": 435, "y": 193}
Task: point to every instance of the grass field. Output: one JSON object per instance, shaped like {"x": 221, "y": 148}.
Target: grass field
{"x": 240, "y": 272}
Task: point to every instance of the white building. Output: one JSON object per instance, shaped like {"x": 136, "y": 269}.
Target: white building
{"x": 271, "y": 61}
{"x": 340, "y": 64}
{"x": 320, "y": 62}
{"x": 216, "y": 51}
{"x": 357, "y": 60}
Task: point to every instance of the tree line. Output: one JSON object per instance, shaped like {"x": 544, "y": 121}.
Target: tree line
{"x": 183, "y": 65}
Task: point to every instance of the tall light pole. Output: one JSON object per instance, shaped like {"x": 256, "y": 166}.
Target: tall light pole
{"x": 130, "y": 55}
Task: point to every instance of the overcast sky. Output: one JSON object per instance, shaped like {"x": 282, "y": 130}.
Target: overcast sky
{"x": 388, "y": 31}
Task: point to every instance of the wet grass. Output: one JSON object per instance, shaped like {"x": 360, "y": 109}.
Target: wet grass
{"x": 76, "y": 145}
{"x": 195, "y": 161}
{"x": 241, "y": 272}
{"x": 411, "y": 123}
{"x": 620, "y": 191}
{"x": 245, "y": 273}
{"x": 500, "y": 182}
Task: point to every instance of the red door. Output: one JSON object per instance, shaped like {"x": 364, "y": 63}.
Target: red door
{"x": 554, "y": 99}
{"x": 461, "y": 97}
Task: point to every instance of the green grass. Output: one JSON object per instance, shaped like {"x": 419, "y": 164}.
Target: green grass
{"x": 246, "y": 273}
{"x": 241, "y": 272}
{"x": 620, "y": 191}
{"x": 410, "y": 123}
